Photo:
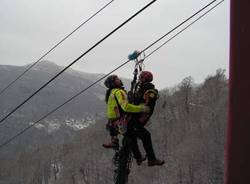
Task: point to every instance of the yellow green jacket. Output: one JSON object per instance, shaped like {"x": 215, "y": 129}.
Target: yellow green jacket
{"x": 113, "y": 108}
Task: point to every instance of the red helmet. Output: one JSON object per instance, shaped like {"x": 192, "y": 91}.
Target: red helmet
{"x": 146, "y": 76}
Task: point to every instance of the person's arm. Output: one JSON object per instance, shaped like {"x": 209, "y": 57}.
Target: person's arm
{"x": 125, "y": 105}
{"x": 150, "y": 97}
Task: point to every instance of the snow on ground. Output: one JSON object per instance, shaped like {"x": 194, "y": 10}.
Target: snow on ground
{"x": 53, "y": 125}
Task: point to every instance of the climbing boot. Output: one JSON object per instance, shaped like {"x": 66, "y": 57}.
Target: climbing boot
{"x": 114, "y": 143}
{"x": 156, "y": 162}
{"x": 140, "y": 160}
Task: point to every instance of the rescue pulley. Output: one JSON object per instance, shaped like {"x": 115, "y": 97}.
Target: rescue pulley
{"x": 138, "y": 57}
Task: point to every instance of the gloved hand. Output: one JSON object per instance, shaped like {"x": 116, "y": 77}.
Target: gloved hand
{"x": 146, "y": 109}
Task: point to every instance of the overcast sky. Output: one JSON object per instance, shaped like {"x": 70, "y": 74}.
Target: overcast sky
{"x": 29, "y": 28}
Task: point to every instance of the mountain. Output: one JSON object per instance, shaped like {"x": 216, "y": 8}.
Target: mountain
{"x": 78, "y": 113}
{"x": 187, "y": 130}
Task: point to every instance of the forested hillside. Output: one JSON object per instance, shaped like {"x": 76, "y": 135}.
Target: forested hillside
{"x": 187, "y": 129}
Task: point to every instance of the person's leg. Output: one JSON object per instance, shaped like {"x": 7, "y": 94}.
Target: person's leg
{"x": 133, "y": 143}
{"x": 135, "y": 148}
{"x": 145, "y": 136}
{"x": 110, "y": 126}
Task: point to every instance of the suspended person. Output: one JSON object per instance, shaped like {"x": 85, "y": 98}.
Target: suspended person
{"x": 117, "y": 106}
{"x": 145, "y": 93}
{"x": 115, "y": 112}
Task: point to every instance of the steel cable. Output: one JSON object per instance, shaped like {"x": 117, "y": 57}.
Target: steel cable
{"x": 56, "y": 45}
{"x": 62, "y": 71}
{"x": 100, "y": 79}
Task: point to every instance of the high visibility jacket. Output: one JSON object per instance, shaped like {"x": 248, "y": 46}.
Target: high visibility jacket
{"x": 113, "y": 108}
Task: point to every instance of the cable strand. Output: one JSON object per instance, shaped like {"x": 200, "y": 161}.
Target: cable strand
{"x": 100, "y": 79}
{"x": 178, "y": 25}
{"x": 62, "y": 71}
{"x": 182, "y": 30}
{"x": 56, "y": 45}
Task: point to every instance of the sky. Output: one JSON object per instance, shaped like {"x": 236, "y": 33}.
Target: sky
{"x": 30, "y": 28}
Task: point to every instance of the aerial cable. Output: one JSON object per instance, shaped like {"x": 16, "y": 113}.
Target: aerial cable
{"x": 91, "y": 48}
{"x": 56, "y": 45}
{"x": 79, "y": 93}
{"x": 182, "y": 30}
{"x": 139, "y": 62}
{"x": 179, "y": 25}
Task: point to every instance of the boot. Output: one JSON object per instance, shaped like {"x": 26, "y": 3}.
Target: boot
{"x": 113, "y": 144}
{"x": 140, "y": 160}
{"x": 155, "y": 162}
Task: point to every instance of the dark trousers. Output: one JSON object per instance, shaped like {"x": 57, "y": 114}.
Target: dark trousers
{"x": 110, "y": 126}
{"x": 137, "y": 131}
